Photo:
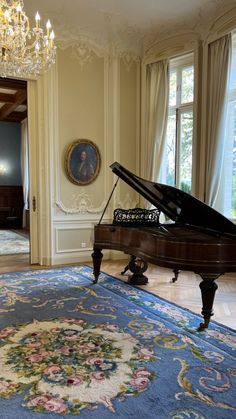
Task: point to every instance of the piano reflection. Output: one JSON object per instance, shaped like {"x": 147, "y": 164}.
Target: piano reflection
{"x": 198, "y": 239}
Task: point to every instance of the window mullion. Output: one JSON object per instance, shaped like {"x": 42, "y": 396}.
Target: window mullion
{"x": 177, "y": 148}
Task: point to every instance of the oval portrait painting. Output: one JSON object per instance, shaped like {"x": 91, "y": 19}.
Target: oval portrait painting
{"x": 82, "y": 162}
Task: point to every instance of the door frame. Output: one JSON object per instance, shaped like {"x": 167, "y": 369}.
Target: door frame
{"x": 42, "y": 111}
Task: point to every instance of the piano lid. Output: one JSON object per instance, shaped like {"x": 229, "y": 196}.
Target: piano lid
{"x": 179, "y": 206}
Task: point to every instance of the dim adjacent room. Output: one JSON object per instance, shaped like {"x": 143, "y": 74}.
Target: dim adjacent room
{"x": 14, "y": 212}
{"x": 117, "y": 209}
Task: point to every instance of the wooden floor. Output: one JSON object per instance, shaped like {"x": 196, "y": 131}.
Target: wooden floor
{"x": 184, "y": 292}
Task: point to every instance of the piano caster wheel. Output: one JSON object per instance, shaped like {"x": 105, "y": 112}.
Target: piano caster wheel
{"x": 138, "y": 279}
{"x": 201, "y": 327}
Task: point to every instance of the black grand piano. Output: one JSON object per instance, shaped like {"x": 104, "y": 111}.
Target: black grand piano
{"x": 199, "y": 239}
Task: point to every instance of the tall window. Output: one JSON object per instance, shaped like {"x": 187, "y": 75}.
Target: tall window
{"x": 229, "y": 196}
{"x": 176, "y": 168}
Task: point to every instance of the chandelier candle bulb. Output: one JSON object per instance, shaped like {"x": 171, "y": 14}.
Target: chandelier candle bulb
{"x": 19, "y": 10}
{"x": 48, "y": 26}
{"x": 6, "y": 15}
{"x": 52, "y": 36}
{"x": 37, "y": 19}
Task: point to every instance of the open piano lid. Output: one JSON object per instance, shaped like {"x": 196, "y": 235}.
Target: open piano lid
{"x": 179, "y": 206}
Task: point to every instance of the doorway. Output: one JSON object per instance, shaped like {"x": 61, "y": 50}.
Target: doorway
{"x": 14, "y": 173}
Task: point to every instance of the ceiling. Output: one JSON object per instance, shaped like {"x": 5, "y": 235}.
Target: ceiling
{"x": 13, "y": 100}
{"x": 128, "y": 23}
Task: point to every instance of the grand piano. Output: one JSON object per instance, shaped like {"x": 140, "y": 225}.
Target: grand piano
{"x": 197, "y": 239}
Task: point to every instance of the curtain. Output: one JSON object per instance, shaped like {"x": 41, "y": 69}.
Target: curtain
{"x": 157, "y": 94}
{"x": 218, "y": 76}
{"x": 25, "y": 168}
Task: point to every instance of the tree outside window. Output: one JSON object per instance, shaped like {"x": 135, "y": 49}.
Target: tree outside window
{"x": 176, "y": 167}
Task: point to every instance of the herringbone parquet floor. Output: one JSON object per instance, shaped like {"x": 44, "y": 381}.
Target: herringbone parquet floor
{"x": 184, "y": 292}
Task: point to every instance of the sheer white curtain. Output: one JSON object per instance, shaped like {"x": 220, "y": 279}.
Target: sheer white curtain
{"x": 25, "y": 168}
{"x": 218, "y": 77}
{"x": 157, "y": 94}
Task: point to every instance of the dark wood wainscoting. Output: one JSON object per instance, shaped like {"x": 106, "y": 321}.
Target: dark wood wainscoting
{"x": 11, "y": 206}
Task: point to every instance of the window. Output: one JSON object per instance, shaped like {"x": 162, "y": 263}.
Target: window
{"x": 229, "y": 195}
{"x": 176, "y": 167}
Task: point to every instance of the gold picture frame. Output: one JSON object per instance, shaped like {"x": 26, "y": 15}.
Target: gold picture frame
{"x": 82, "y": 162}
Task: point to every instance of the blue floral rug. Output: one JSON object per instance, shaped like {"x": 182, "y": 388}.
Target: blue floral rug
{"x": 12, "y": 242}
{"x": 69, "y": 347}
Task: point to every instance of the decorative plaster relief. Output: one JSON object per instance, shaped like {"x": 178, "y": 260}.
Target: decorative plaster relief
{"x": 126, "y": 203}
{"x": 81, "y": 204}
{"x": 129, "y": 59}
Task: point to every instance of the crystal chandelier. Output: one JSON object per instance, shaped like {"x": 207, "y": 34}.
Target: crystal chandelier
{"x": 24, "y": 51}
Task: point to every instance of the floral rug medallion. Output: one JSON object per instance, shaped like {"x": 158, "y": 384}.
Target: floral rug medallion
{"x": 70, "y": 365}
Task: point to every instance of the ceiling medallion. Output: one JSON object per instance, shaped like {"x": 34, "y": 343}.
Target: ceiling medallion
{"x": 24, "y": 51}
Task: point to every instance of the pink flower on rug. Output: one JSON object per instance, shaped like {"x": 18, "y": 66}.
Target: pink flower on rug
{"x": 34, "y": 344}
{"x": 49, "y": 403}
{"x": 72, "y": 337}
{"x": 39, "y": 400}
{"x": 94, "y": 361}
{"x": 4, "y": 333}
{"x": 139, "y": 383}
{"x": 141, "y": 373}
{"x": 98, "y": 376}
{"x": 4, "y": 385}
{"x": 52, "y": 369}
{"x": 74, "y": 321}
{"x": 56, "y": 405}
{"x": 74, "y": 380}
{"x": 34, "y": 358}
{"x": 66, "y": 350}
{"x": 88, "y": 345}
{"x": 111, "y": 327}
{"x": 145, "y": 353}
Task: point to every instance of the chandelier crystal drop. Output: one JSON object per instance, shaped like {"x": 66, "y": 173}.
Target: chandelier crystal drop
{"x": 24, "y": 51}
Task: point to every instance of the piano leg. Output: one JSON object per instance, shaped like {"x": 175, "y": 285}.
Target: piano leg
{"x": 97, "y": 260}
{"x": 208, "y": 288}
{"x": 176, "y": 274}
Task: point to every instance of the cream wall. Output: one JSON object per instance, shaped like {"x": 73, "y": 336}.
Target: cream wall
{"x": 98, "y": 100}
{"x": 80, "y": 116}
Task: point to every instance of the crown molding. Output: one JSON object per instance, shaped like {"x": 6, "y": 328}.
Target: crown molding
{"x": 106, "y": 24}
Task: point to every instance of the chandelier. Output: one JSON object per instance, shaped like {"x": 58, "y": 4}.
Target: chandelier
{"x": 24, "y": 51}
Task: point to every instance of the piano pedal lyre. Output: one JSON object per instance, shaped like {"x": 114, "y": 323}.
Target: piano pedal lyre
{"x": 137, "y": 266}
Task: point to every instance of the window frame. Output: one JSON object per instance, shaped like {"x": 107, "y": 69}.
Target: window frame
{"x": 178, "y": 64}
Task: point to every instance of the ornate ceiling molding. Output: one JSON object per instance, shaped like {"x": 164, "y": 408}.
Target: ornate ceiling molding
{"x": 106, "y": 24}
{"x": 129, "y": 59}
{"x": 224, "y": 24}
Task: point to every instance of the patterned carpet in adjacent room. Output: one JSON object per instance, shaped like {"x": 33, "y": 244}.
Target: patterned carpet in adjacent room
{"x": 12, "y": 242}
